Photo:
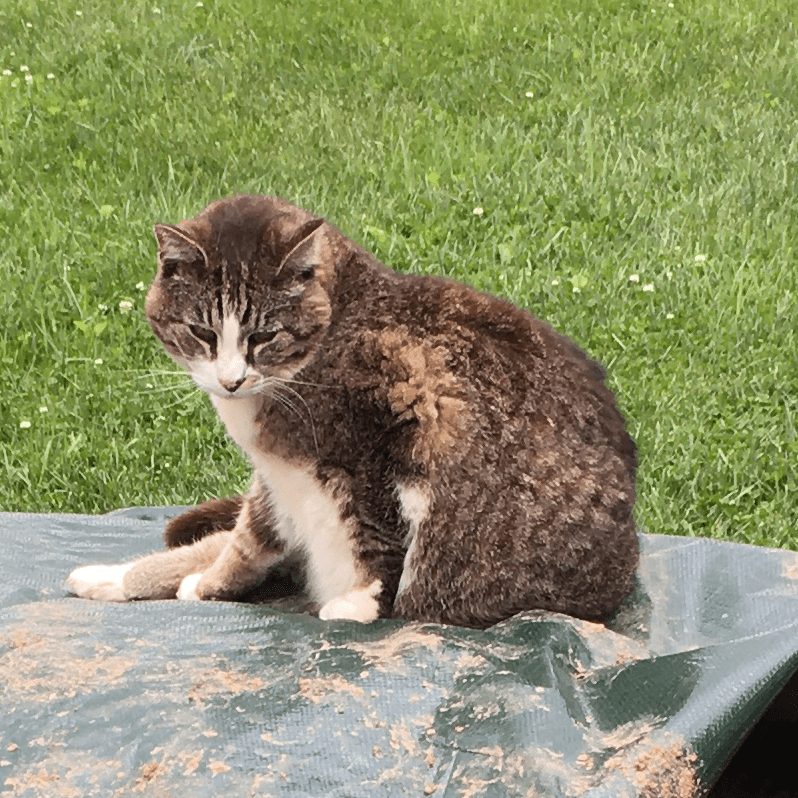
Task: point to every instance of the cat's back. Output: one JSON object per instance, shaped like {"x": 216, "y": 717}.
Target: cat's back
{"x": 484, "y": 350}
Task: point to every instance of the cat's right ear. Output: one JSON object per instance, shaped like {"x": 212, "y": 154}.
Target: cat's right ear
{"x": 178, "y": 252}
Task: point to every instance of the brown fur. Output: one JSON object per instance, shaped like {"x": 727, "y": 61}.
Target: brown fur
{"x": 214, "y": 515}
{"x": 406, "y": 380}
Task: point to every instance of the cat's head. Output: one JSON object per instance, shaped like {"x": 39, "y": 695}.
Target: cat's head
{"x": 243, "y": 293}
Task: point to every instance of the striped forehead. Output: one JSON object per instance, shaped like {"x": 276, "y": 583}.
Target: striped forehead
{"x": 229, "y": 299}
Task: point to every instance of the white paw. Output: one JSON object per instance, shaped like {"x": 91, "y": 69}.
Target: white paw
{"x": 188, "y": 588}
{"x": 99, "y": 582}
{"x": 356, "y": 605}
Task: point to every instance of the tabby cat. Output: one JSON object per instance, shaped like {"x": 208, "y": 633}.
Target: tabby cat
{"x": 422, "y": 450}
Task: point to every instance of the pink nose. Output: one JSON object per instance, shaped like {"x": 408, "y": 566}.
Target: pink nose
{"x": 232, "y": 387}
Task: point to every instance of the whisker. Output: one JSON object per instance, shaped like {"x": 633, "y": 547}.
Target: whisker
{"x": 162, "y": 381}
{"x": 273, "y": 388}
{"x": 147, "y": 372}
{"x": 284, "y": 381}
{"x": 157, "y": 390}
{"x": 307, "y": 407}
{"x": 182, "y": 399}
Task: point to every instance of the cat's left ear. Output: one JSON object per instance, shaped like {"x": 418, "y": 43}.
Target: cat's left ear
{"x": 177, "y": 251}
{"x": 309, "y": 254}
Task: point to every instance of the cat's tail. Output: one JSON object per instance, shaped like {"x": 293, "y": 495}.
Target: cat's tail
{"x": 214, "y": 515}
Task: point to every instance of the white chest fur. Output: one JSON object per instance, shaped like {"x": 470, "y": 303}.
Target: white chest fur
{"x": 307, "y": 517}
{"x": 238, "y": 415}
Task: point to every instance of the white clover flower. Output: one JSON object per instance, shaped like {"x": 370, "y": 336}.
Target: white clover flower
{"x": 24, "y": 68}
{"x": 669, "y": 315}
{"x": 43, "y": 409}
{"x": 530, "y": 94}
{"x": 28, "y": 78}
{"x": 7, "y": 72}
{"x": 125, "y": 306}
{"x": 140, "y": 286}
{"x": 78, "y": 13}
{"x": 98, "y": 362}
{"x": 634, "y": 278}
{"x": 200, "y": 5}
{"x": 24, "y": 424}
{"x": 478, "y": 211}
{"x": 700, "y": 258}
{"x": 28, "y": 24}
{"x": 555, "y": 281}
{"x": 50, "y": 76}
{"x": 648, "y": 287}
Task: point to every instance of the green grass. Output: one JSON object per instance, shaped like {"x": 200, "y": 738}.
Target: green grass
{"x": 602, "y": 141}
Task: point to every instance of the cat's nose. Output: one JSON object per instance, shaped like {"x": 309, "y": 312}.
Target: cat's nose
{"x": 232, "y": 385}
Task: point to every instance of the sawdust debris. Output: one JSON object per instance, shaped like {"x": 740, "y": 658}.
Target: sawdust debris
{"x": 315, "y": 689}
{"x": 402, "y": 739}
{"x": 30, "y": 781}
{"x": 223, "y": 682}
{"x": 790, "y": 568}
{"x": 385, "y": 654}
{"x": 149, "y": 772}
{"x": 661, "y": 768}
{"x": 585, "y": 761}
{"x": 468, "y": 662}
{"x": 191, "y": 761}
{"x": 216, "y": 767}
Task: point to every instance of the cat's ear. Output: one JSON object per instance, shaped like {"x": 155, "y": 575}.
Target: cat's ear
{"x": 177, "y": 251}
{"x": 307, "y": 251}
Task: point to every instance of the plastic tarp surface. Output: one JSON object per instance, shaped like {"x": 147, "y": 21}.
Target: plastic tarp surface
{"x": 210, "y": 699}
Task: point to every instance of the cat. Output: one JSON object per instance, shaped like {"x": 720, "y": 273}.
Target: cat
{"x": 421, "y": 450}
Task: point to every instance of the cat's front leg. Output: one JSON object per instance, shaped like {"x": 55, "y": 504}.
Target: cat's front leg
{"x": 360, "y": 583}
{"x": 157, "y": 576}
{"x": 251, "y": 551}
{"x": 361, "y": 604}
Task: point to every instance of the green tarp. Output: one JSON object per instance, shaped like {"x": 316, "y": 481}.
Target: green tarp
{"x": 221, "y": 699}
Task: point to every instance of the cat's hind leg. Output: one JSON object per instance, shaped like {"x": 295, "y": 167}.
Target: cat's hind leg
{"x": 156, "y": 576}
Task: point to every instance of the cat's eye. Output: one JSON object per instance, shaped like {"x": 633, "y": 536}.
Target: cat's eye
{"x": 263, "y": 337}
{"x": 203, "y": 333}
{"x": 306, "y": 272}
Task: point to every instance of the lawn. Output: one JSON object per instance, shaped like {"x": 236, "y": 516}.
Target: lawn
{"x": 625, "y": 170}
